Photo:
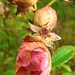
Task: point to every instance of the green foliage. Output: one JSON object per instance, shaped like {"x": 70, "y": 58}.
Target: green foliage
{"x": 67, "y": 67}
{"x": 69, "y": 73}
{"x": 62, "y": 55}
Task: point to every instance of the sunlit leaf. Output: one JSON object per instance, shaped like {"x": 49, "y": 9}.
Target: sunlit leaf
{"x": 69, "y": 73}
{"x": 63, "y": 55}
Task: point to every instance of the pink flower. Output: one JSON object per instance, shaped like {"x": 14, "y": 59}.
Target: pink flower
{"x": 33, "y": 57}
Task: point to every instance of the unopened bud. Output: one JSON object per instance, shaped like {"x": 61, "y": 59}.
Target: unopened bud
{"x": 2, "y": 11}
{"x": 23, "y": 5}
{"x": 45, "y": 17}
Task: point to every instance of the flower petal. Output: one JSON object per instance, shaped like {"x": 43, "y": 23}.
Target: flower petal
{"x": 47, "y": 70}
{"x": 23, "y": 58}
{"x": 54, "y": 37}
{"x": 34, "y": 28}
{"x": 40, "y": 59}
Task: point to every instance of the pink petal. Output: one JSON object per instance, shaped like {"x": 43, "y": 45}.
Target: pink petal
{"x": 34, "y": 28}
{"x": 39, "y": 60}
{"x": 54, "y": 37}
{"x": 22, "y": 58}
{"x": 47, "y": 70}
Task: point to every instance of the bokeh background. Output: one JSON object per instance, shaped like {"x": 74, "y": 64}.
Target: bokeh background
{"x": 12, "y": 29}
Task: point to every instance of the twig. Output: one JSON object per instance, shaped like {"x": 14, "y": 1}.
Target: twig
{"x": 16, "y": 36}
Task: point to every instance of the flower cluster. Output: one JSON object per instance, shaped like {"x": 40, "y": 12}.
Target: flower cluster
{"x": 44, "y": 21}
{"x": 33, "y": 56}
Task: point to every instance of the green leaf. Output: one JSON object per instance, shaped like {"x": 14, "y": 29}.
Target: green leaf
{"x": 69, "y": 73}
{"x": 30, "y": 15}
{"x": 42, "y": 3}
{"x": 67, "y": 68}
{"x": 63, "y": 55}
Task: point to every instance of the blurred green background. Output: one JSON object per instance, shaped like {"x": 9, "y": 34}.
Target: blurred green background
{"x": 11, "y": 29}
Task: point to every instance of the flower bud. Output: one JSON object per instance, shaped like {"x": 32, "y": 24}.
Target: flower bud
{"x": 34, "y": 57}
{"x": 45, "y": 17}
{"x": 23, "y": 5}
{"x": 2, "y": 10}
{"x": 23, "y": 2}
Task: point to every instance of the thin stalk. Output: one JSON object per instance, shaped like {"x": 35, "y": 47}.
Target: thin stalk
{"x": 16, "y": 36}
{"x": 35, "y": 6}
{"x": 51, "y": 2}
